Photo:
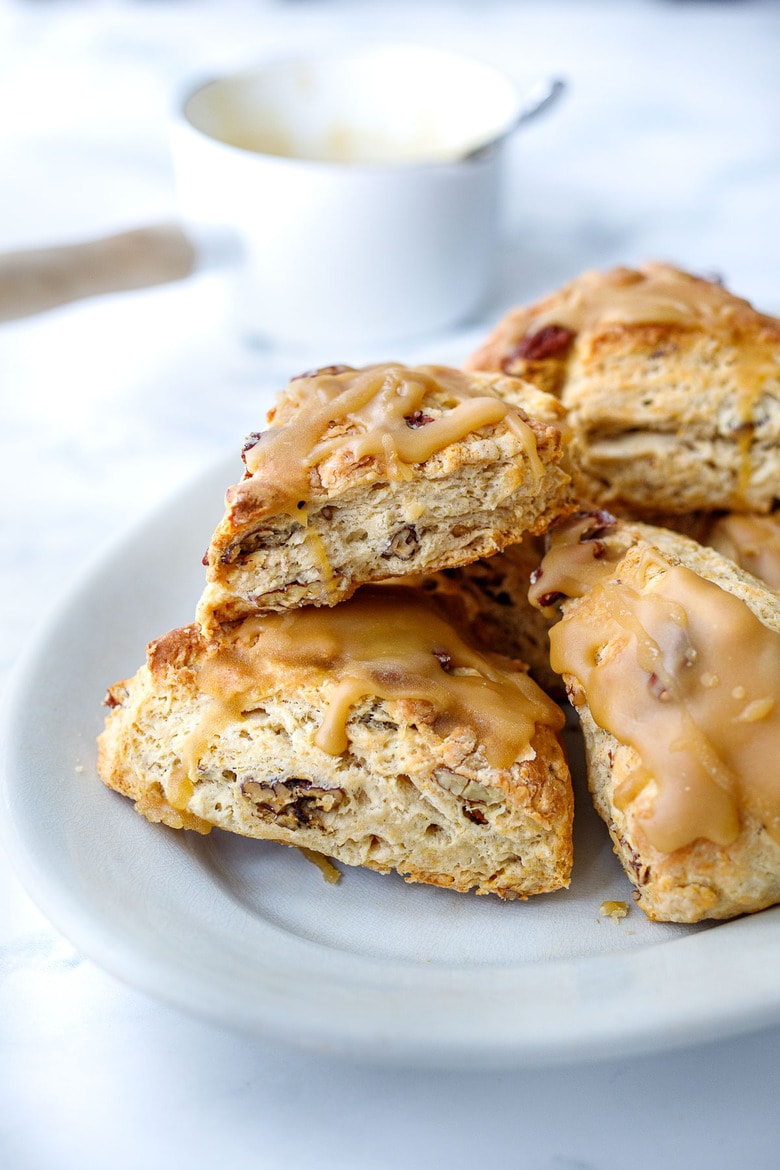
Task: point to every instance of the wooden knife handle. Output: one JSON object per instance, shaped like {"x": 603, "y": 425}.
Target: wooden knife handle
{"x": 42, "y": 278}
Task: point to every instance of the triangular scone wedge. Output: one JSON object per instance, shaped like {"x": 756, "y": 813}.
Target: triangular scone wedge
{"x": 671, "y": 656}
{"x": 671, "y": 384}
{"x": 366, "y": 474}
{"x": 372, "y": 733}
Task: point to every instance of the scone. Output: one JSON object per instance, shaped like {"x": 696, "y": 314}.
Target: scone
{"x": 671, "y": 655}
{"x": 671, "y": 384}
{"x": 366, "y": 474}
{"x": 489, "y": 598}
{"x": 373, "y": 733}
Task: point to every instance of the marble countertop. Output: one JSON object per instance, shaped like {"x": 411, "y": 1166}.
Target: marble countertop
{"x": 665, "y": 148}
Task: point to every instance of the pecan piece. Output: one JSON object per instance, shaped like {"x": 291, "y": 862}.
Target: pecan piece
{"x": 261, "y": 538}
{"x": 467, "y": 790}
{"x": 417, "y": 420}
{"x": 632, "y": 858}
{"x": 403, "y": 544}
{"x": 545, "y": 600}
{"x": 473, "y": 814}
{"x": 291, "y": 803}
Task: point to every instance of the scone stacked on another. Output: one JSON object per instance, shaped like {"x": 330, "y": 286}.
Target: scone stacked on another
{"x": 366, "y": 474}
{"x": 372, "y": 733}
{"x": 489, "y": 598}
{"x": 671, "y": 656}
{"x": 671, "y": 386}
{"x": 372, "y": 728}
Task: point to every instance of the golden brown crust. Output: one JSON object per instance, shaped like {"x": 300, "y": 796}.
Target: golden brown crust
{"x": 366, "y": 515}
{"x": 174, "y": 650}
{"x": 671, "y": 385}
{"x": 414, "y": 790}
{"x": 530, "y": 341}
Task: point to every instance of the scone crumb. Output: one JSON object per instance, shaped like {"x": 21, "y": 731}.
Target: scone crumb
{"x": 323, "y": 863}
{"x": 614, "y": 910}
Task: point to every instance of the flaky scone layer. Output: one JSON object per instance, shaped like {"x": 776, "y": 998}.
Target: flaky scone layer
{"x": 412, "y": 790}
{"x": 364, "y": 475}
{"x": 671, "y": 386}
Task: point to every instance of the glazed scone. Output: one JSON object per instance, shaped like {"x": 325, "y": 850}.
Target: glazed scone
{"x": 671, "y": 656}
{"x": 367, "y": 474}
{"x": 372, "y": 733}
{"x": 671, "y": 384}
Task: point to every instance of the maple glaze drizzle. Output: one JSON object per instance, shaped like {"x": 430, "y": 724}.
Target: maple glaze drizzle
{"x": 385, "y": 642}
{"x": 369, "y": 414}
{"x": 684, "y": 673}
{"x": 652, "y": 294}
{"x": 663, "y": 295}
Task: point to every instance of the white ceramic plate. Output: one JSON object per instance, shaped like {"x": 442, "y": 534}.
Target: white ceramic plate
{"x": 247, "y": 933}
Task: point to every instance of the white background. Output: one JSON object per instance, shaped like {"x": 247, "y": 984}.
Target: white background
{"x": 666, "y": 148}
